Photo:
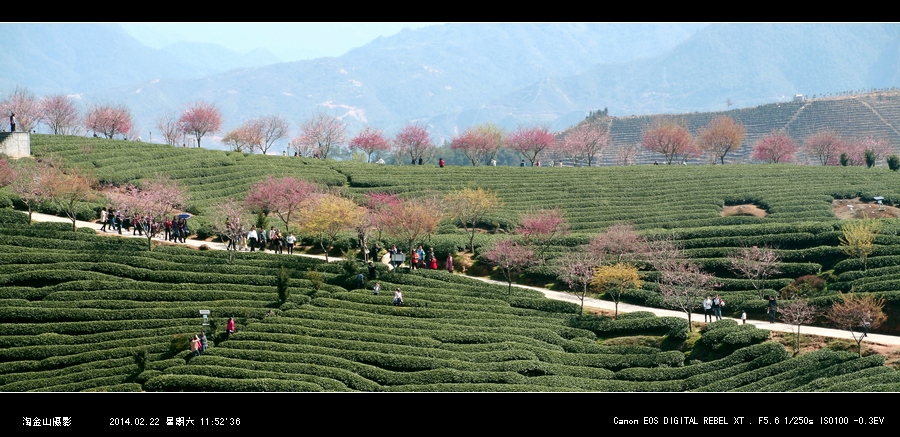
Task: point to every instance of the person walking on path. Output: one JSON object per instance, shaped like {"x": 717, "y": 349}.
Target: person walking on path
{"x": 398, "y": 297}
{"x": 195, "y": 346}
{"x": 449, "y": 263}
{"x": 717, "y": 305}
{"x": 772, "y": 308}
{"x": 251, "y": 238}
{"x": 204, "y": 343}
{"x": 743, "y": 317}
{"x": 376, "y": 289}
{"x": 707, "y": 310}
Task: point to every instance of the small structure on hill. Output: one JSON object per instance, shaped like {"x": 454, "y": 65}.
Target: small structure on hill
{"x": 15, "y": 144}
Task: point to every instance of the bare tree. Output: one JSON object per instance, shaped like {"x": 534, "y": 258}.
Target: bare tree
{"x": 756, "y": 264}
{"x": 796, "y": 313}
{"x": 167, "y": 125}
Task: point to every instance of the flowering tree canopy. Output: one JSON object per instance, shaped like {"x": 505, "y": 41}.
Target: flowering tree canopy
{"x": 542, "y": 227}
{"x": 319, "y": 136}
{"x": 775, "y": 147}
{"x": 479, "y": 143}
{"x": 756, "y": 264}
{"x": 585, "y": 142}
{"x": 328, "y": 216}
{"x": 530, "y": 141}
{"x": 369, "y": 141}
{"x": 824, "y": 146}
{"x": 858, "y": 314}
{"x": 414, "y": 141}
{"x": 200, "y": 118}
{"x": 720, "y": 136}
{"x": 509, "y": 257}
{"x": 23, "y": 104}
{"x": 60, "y": 114}
{"x": 669, "y": 138}
{"x": 469, "y": 206}
{"x": 109, "y": 120}
{"x": 281, "y": 196}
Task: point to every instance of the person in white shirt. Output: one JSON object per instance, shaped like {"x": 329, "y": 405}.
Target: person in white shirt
{"x": 251, "y": 238}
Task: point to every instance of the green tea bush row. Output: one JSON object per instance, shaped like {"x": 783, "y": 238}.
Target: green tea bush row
{"x": 673, "y": 327}
{"x": 863, "y": 380}
{"x": 802, "y": 378}
{"x": 734, "y": 337}
{"x": 38, "y": 383}
{"x": 739, "y": 356}
{"x": 227, "y": 372}
{"x": 803, "y": 363}
{"x": 347, "y": 378}
{"x": 212, "y": 384}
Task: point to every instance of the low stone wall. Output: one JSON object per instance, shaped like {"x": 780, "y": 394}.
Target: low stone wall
{"x": 15, "y": 144}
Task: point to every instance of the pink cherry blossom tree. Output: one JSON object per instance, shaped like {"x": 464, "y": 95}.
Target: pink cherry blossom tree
{"x": 370, "y": 140}
{"x": 542, "y": 228}
{"x": 26, "y": 183}
{"x": 199, "y": 119}
{"x": 414, "y": 141}
{"x": 479, "y": 143}
{"x": 619, "y": 243}
{"x": 878, "y": 147}
{"x": 280, "y": 196}
{"x": 24, "y": 105}
{"x": 109, "y": 120}
{"x": 585, "y": 143}
{"x": 60, "y": 114}
{"x": 824, "y": 146}
{"x": 243, "y": 138}
{"x": 7, "y": 173}
{"x": 775, "y": 147}
{"x": 510, "y": 258}
{"x": 531, "y": 141}
{"x": 381, "y": 208}
{"x": 319, "y": 136}
{"x": 576, "y": 269}
{"x": 669, "y": 138}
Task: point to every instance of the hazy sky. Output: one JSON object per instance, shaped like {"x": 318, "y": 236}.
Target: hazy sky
{"x": 288, "y": 41}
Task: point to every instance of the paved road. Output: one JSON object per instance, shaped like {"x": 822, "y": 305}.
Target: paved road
{"x": 588, "y": 302}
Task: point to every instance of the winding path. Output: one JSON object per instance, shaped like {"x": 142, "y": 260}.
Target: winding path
{"x": 887, "y": 340}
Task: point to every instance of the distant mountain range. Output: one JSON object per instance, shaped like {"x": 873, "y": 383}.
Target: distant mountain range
{"x": 454, "y": 75}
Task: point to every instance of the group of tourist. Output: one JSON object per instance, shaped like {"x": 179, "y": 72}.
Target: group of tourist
{"x": 712, "y": 307}
{"x": 272, "y": 239}
{"x": 199, "y": 344}
{"x": 176, "y": 229}
{"x": 419, "y": 259}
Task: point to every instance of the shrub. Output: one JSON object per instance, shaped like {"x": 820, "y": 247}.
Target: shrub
{"x": 281, "y": 284}
{"x": 893, "y": 162}
{"x": 180, "y": 342}
{"x": 804, "y": 286}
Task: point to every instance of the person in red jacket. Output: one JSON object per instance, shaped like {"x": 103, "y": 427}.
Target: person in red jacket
{"x": 230, "y": 327}
{"x": 441, "y": 162}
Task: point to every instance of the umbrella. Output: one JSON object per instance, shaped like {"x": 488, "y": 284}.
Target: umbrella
{"x": 183, "y": 215}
